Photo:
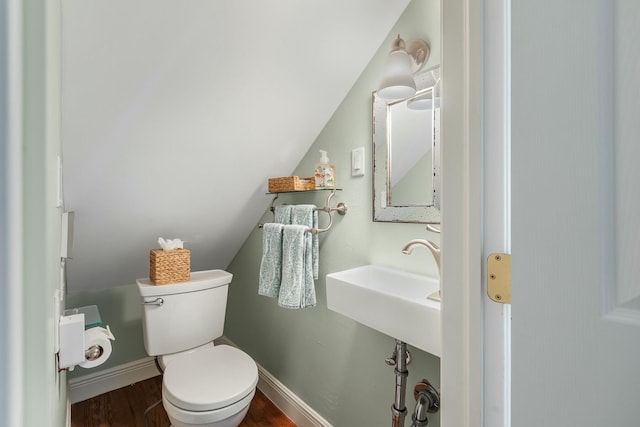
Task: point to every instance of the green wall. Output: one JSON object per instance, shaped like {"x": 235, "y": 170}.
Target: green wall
{"x": 331, "y": 362}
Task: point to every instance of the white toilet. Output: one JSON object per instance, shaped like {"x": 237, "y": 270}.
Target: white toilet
{"x": 203, "y": 384}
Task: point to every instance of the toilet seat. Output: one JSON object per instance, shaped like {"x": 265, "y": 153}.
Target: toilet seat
{"x": 211, "y": 378}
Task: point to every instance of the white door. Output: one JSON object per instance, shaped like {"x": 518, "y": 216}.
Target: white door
{"x": 575, "y": 213}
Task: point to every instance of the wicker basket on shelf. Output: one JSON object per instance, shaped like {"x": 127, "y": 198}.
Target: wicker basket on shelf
{"x": 172, "y": 266}
{"x": 291, "y": 183}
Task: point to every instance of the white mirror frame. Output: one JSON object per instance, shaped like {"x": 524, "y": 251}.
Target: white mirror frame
{"x": 383, "y": 211}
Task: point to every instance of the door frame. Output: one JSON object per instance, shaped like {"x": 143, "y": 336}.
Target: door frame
{"x": 11, "y": 223}
{"x": 461, "y": 239}
{"x": 475, "y": 211}
{"x": 496, "y": 206}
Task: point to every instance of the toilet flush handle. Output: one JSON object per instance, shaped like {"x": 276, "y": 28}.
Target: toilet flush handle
{"x": 157, "y": 301}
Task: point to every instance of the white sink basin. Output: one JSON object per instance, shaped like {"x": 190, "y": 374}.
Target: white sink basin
{"x": 390, "y": 301}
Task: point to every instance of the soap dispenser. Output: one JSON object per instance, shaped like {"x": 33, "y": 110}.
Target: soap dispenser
{"x": 325, "y": 173}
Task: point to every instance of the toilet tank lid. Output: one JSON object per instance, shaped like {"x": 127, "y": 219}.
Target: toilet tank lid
{"x": 199, "y": 280}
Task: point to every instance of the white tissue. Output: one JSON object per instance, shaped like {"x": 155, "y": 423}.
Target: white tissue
{"x": 170, "y": 244}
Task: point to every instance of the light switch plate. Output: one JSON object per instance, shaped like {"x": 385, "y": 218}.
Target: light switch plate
{"x": 66, "y": 241}
{"x": 357, "y": 162}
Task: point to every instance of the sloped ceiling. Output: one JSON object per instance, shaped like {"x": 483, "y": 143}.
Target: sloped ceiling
{"x": 175, "y": 113}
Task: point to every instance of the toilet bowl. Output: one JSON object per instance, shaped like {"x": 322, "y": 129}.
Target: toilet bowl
{"x": 212, "y": 386}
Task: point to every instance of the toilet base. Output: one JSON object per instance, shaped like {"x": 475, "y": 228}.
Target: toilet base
{"x": 229, "y": 416}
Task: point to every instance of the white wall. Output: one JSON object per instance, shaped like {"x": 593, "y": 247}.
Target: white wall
{"x": 176, "y": 113}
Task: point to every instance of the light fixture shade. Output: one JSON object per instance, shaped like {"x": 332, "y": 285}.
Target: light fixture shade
{"x": 423, "y": 102}
{"x": 397, "y": 81}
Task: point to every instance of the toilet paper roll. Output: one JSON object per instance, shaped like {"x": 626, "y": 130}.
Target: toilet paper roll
{"x": 97, "y": 343}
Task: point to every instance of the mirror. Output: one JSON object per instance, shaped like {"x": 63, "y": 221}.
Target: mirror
{"x": 406, "y": 154}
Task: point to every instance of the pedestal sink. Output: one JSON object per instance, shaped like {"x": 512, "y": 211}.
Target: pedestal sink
{"x": 390, "y": 301}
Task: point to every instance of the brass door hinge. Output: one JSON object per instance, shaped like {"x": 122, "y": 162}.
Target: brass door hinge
{"x": 499, "y": 278}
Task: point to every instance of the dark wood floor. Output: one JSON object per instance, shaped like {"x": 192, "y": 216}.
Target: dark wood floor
{"x": 125, "y": 408}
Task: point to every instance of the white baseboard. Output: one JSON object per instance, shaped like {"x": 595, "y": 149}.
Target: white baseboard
{"x": 293, "y": 407}
{"x": 94, "y": 384}
{"x": 68, "y": 422}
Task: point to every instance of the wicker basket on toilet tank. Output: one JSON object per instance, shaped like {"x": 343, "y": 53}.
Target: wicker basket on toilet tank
{"x": 169, "y": 266}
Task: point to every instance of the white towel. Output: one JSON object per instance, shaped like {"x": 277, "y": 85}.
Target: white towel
{"x": 297, "y": 289}
{"x": 271, "y": 264}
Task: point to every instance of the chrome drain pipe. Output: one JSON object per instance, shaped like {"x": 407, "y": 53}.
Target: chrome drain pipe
{"x": 427, "y": 402}
{"x": 400, "y": 358}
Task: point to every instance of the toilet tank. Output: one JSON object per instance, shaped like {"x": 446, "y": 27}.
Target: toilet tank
{"x": 180, "y": 316}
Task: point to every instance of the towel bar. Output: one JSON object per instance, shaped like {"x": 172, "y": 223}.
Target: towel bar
{"x": 340, "y": 208}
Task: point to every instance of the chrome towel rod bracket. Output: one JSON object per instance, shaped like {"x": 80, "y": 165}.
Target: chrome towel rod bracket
{"x": 340, "y": 208}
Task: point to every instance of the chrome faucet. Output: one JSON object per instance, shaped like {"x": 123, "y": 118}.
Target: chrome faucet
{"x": 435, "y": 251}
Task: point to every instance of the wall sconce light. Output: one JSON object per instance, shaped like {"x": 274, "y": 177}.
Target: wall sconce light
{"x": 397, "y": 80}
{"x": 428, "y": 100}
{"x": 423, "y": 102}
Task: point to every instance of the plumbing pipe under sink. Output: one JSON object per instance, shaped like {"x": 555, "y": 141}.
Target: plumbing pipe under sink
{"x": 427, "y": 397}
{"x": 401, "y": 358}
{"x": 427, "y": 402}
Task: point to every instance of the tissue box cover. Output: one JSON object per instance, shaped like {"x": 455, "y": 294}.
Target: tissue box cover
{"x": 172, "y": 266}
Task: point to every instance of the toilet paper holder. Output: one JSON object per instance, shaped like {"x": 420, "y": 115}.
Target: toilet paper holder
{"x": 93, "y": 352}
{"x": 76, "y": 327}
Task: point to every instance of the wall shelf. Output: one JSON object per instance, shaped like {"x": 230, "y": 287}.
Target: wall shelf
{"x": 315, "y": 190}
